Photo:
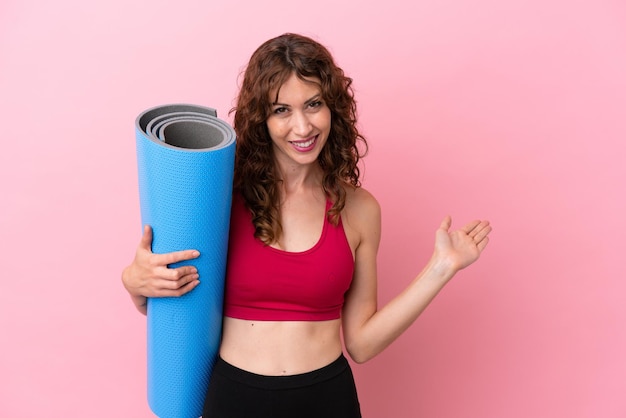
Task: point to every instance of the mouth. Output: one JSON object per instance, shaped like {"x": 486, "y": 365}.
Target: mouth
{"x": 306, "y": 144}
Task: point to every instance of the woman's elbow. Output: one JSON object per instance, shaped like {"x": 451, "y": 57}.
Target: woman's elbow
{"x": 358, "y": 354}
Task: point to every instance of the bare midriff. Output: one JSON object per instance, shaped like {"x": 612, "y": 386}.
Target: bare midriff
{"x": 280, "y": 348}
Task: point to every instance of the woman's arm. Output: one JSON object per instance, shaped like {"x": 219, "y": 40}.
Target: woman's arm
{"x": 368, "y": 330}
{"x": 149, "y": 275}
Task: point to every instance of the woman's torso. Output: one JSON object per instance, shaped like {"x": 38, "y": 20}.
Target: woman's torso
{"x": 281, "y": 347}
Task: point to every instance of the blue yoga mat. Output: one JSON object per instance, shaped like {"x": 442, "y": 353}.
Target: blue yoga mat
{"x": 185, "y": 159}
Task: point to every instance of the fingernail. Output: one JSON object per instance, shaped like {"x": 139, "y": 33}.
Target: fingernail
{"x": 196, "y": 253}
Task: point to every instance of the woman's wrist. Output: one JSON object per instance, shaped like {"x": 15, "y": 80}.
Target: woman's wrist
{"x": 441, "y": 269}
{"x": 141, "y": 303}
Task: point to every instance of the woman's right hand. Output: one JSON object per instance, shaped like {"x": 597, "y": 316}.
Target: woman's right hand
{"x": 149, "y": 275}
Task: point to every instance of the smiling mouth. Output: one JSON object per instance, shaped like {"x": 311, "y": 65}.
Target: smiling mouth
{"x": 304, "y": 144}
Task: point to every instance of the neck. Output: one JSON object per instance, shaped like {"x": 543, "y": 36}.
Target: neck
{"x": 297, "y": 179}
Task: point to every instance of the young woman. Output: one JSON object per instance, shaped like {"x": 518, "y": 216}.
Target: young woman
{"x": 303, "y": 243}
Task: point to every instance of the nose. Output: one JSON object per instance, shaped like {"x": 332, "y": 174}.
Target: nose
{"x": 302, "y": 125}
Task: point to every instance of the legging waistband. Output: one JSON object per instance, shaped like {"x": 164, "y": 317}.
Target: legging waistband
{"x": 229, "y": 371}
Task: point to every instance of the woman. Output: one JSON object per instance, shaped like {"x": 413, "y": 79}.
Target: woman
{"x": 303, "y": 243}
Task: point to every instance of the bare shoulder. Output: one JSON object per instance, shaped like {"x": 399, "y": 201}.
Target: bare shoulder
{"x": 361, "y": 203}
{"x": 361, "y": 216}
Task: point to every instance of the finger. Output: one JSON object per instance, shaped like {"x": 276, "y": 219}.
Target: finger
{"x": 177, "y": 284}
{"x": 445, "y": 224}
{"x": 178, "y": 287}
{"x": 482, "y": 232}
{"x": 178, "y": 273}
{"x": 166, "y": 259}
{"x": 470, "y": 228}
{"x": 184, "y": 289}
{"x": 146, "y": 238}
{"x": 482, "y": 244}
{"x": 177, "y": 256}
{"x": 162, "y": 292}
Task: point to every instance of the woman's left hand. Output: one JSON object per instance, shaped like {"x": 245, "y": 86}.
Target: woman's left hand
{"x": 460, "y": 248}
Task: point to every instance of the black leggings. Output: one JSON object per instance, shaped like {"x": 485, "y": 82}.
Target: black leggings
{"x": 328, "y": 392}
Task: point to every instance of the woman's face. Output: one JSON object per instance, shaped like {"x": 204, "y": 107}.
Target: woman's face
{"x": 299, "y": 123}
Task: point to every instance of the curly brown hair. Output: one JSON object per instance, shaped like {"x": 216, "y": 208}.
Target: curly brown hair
{"x": 256, "y": 177}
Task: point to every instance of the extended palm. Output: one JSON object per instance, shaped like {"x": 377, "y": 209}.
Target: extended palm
{"x": 461, "y": 247}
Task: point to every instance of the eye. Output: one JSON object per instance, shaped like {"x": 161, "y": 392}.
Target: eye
{"x": 315, "y": 104}
{"x": 279, "y": 110}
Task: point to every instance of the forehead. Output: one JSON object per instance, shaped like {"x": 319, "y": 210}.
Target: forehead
{"x": 296, "y": 89}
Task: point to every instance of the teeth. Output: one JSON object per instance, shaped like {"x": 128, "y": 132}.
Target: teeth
{"x": 304, "y": 144}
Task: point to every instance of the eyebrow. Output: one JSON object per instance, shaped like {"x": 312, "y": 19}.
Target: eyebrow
{"x": 312, "y": 99}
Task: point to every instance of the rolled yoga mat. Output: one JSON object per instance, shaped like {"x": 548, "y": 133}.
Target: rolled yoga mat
{"x": 185, "y": 159}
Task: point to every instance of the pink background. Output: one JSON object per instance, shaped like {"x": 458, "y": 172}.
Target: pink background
{"x": 509, "y": 110}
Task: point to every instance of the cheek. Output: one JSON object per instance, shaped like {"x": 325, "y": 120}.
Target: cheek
{"x": 273, "y": 128}
{"x": 322, "y": 119}
{"x": 327, "y": 120}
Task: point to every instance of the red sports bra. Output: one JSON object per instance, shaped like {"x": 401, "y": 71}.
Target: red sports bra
{"x": 267, "y": 284}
